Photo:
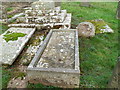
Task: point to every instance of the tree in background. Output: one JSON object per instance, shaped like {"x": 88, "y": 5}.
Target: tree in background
{"x": 86, "y": 3}
{"x": 118, "y": 10}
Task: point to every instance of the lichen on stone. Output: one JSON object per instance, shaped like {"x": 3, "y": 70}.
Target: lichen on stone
{"x": 99, "y": 24}
{"x": 12, "y": 36}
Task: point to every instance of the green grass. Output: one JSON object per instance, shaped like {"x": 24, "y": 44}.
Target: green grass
{"x": 98, "y": 55}
{"x": 6, "y": 76}
{"x": 3, "y": 28}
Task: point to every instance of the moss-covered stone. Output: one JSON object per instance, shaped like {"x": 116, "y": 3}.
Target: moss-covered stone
{"x": 19, "y": 74}
{"x": 12, "y": 36}
{"x": 99, "y": 24}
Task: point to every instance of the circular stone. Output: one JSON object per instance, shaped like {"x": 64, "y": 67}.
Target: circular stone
{"x": 86, "y": 29}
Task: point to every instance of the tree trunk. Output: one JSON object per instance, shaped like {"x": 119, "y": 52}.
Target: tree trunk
{"x": 115, "y": 82}
{"x": 85, "y": 4}
{"x": 118, "y": 11}
{"x": 57, "y": 4}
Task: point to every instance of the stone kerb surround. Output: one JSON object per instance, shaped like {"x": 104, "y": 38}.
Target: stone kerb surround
{"x": 61, "y": 77}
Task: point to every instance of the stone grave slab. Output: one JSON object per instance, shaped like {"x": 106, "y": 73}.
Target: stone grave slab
{"x": 56, "y": 62}
{"x": 65, "y": 24}
{"x": 12, "y": 42}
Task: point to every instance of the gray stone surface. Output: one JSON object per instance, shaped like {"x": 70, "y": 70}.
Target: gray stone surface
{"x": 15, "y": 17}
{"x": 43, "y": 13}
{"x": 59, "y": 52}
{"x": 66, "y": 24}
{"x": 48, "y": 16}
{"x": 104, "y": 28}
{"x": 41, "y": 5}
{"x": 11, "y": 49}
{"x": 57, "y": 60}
{"x": 21, "y": 20}
{"x": 107, "y": 29}
{"x": 86, "y": 29}
{"x": 58, "y": 3}
{"x": 63, "y": 80}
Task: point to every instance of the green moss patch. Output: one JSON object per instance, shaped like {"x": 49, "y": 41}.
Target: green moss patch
{"x": 19, "y": 74}
{"x": 11, "y": 36}
{"x": 9, "y": 9}
{"x": 99, "y": 24}
{"x": 9, "y": 16}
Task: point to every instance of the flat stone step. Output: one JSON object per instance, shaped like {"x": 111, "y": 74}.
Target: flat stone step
{"x": 57, "y": 60}
{"x": 12, "y": 48}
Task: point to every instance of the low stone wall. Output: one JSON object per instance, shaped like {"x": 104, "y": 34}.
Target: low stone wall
{"x": 59, "y": 79}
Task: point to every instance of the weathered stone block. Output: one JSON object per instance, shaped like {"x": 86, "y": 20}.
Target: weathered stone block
{"x": 21, "y": 20}
{"x": 41, "y": 5}
{"x": 63, "y": 25}
{"x": 86, "y": 29}
{"x": 12, "y": 43}
{"x": 57, "y": 60}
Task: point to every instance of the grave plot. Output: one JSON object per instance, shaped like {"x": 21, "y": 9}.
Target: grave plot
{"x": 12, "y": 42}
{"x": 65, "y": 24}
{"x": 35, "y": 17}
{"x": 56, "y": 62}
